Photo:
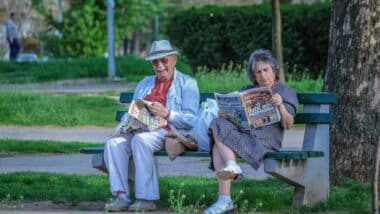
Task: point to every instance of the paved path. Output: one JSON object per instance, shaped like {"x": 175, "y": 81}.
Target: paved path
{"x": 81, "y": 164}
{"x": 85, "y": 134}
{"x": 89, "y": 85}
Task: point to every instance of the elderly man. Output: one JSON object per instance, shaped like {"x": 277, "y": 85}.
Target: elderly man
{"x": 175, "y": 96}
{"x": 13, "y": 37}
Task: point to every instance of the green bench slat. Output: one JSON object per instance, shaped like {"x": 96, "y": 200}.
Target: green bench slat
{"x": 126, "y": 97}
{"x": 119, "y": 115}
{"x": 317, "y": 98}
{"x": 323, "y": 118}
{"x": 295, "y": 155}
{"x": 303, "y": 98}
{"x": 92, "y": 150}
{"x": 100, "y": 149}
{"x": 204, "y": 96}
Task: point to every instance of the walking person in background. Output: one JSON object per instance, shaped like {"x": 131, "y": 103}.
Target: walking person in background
{"x": 13, "y": 36}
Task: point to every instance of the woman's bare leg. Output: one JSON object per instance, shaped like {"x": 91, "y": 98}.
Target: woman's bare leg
{"x": 224, "y": 186}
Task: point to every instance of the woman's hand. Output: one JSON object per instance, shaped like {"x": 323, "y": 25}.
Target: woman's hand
{"x": 222, "y": 114}
{"x": 286, "y": 119}
{"x": 276, "y": 100}
{"x": 158, "y": 109}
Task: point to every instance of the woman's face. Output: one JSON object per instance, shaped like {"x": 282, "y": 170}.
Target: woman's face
{"x": 264, "y": 74}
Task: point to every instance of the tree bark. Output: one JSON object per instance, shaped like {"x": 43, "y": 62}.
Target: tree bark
{"x": 136, "y": 42}
{"x": 277, "y": 37}
{"x": 353, "y": 73}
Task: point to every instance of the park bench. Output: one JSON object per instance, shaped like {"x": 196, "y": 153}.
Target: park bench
{"x": 306, "y": 170}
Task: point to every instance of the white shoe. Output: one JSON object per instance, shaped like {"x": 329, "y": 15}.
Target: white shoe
{"x": 219, "y": 208}
{"x": 230, "y": 172}
{"x": 118, "y": 205}
{"x": 142, "y": 205}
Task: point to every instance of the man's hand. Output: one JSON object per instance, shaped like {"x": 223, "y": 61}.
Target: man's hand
{"x": 158, "y": 109}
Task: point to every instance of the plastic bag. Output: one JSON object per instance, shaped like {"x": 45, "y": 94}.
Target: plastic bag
{"x": 208, "y": 111}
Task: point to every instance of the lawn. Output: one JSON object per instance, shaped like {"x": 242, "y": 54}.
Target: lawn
{"x": 182, "y": 194}
{"x": 10, "y": 146}
{"x": 42, "y": 109}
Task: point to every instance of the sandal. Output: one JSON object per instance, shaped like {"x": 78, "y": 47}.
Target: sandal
{"x": 219, "y": 208}
{"x": 230, "y": 172}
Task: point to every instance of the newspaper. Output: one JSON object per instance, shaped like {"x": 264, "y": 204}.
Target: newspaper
{"x": 140, "y": 118}
{"x": 250, "y": 108}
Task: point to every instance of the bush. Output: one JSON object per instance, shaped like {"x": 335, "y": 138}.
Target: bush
{"x": 212, "y": 36}
{"x": 131, "y": 68}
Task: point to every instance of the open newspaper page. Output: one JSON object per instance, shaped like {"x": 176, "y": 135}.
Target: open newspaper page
{"x": 141, "y": 119}
{"x": 231, "y": 104}
{"x": 260, "y": 112}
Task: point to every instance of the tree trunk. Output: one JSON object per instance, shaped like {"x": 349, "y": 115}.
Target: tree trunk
{"x": 277, "y": 37}
{"x": 353, "y": 73}
{"x": 136, "y": 42}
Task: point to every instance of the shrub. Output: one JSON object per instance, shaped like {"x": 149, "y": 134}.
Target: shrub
{"x": 130, "y": 67}
{"x": 212, "y": 36}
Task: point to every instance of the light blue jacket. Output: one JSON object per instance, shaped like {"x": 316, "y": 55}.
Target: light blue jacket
{"x": 182, "y": 100}
{"x": 11, "y": 28}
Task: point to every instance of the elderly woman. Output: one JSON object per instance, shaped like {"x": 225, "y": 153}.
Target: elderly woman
{"x": 228, "y": 141}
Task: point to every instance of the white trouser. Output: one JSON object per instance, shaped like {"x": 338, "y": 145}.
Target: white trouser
{"x": 141, "y": 147}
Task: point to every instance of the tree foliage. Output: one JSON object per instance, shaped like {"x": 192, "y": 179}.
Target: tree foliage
{"x": 84, "y": 27}
{"x": 212, "y": 35}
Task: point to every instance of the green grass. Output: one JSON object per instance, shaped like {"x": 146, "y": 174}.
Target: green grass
{"x": 232, "y": 79}
{"x": 263, "y": 196}
{"x": 305, "y": 84}
{"x": 132, "y": 68}
{"x": 41, "y": 146}
{"x": 39, "y": 109}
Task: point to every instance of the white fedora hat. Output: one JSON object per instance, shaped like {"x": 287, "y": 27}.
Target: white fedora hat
{"x": 160, "y": 49}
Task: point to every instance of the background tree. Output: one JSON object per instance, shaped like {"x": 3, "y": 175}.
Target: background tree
{"x": 277, "y": 37}
{"x": 83, "y": 27}
{"x": 353, "y": 72}
{"x": 136, "y": 26}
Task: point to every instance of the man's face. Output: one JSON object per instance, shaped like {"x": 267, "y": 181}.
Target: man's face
{"x": 164, "y": 67}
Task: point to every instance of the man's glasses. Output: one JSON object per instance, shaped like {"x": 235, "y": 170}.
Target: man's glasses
{"x": 164, "y": 61}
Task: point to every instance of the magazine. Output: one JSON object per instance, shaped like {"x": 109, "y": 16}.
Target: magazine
{"x": 140, "y": 118}
{"x": 250, "y": 108}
